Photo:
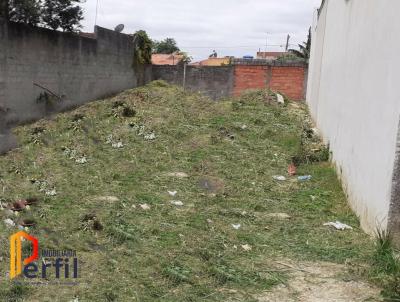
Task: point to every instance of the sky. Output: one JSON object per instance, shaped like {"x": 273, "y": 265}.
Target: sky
{"x": 231, "y": 27}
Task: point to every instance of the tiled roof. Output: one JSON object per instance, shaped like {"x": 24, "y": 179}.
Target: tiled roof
{"x": 163, "y": 59}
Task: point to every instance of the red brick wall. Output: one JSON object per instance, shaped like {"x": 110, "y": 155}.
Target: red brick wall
{"x": 249, "y": 77}
{"x": 288, "y": 80}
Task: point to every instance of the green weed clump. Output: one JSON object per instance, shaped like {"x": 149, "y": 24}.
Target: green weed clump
{"x": 386, "y": 266}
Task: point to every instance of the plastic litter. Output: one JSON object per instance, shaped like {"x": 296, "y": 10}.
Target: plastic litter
{"x": 108, "y": 198}
{"x": 172, "y": 193}
{"x": 246, "y": 247}
{"x": 81, "y": 160}
{"x": 178, "y": 174}
{"x": 117, "y": 145}
{"x": 280, "y": 99}
{"x": 304, "y": 178}
{"x": 9, "y": 222}
{"x": 279, "y": 177}
{"x": 150, "y": 136}
{"x": 52, "y": 192}
{"x": 236, "y": 226}
{"x": 145, "y": 206}
{"x": 338, "y": 225}
{"x": 176, "y": 203}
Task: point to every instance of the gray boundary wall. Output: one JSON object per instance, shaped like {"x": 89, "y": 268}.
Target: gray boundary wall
{"x": 77, "y": 68}
{"x": 214, "y": 81}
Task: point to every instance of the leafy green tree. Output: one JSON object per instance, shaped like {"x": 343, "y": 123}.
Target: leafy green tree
{"x": 143, "y": 48}
{"x": 166, "y": 46}
{"x": 305, "y": 48}
{"x": 186, "y": 58}
{"x": 55, "y": 14}
{"x": 24, "y": 11}
{"x": 62, "y": 14}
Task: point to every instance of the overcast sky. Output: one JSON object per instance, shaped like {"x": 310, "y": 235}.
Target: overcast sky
{"x": 231, "y": 27}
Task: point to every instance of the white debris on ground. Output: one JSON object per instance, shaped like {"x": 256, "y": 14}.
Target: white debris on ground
{"x": 236, "y": 226}
{"x": 52, "y": 192}
{"x": 145, "y": 206}
{"x": 108, "y": 198}
{"x": 246, "y": 247}
{"x": 178, "y": 174}
{"x": 338, "y": 225}
{"x": 172, "y": 193}
{"x": 73, "y": 154}
{"x": 280, "y": 99}
{"x": 43, "y": 186}
{"x": 279, "y": 177}
{"x": 150, "y": 136}
{"x": 116, "y": 144}
{"x": 176, "y": 203}
{"x": 9, "y": 222}
{"x": 141, "y": 131}
{"x": 81, "y": 160}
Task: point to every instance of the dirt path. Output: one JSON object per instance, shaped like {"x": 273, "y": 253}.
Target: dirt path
{"x": 319, "y": 282}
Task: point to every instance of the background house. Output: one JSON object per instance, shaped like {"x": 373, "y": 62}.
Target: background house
{"x": 166, "y": 59}
{"x": 213, "y": 62}
{"x": 270, "y": 55}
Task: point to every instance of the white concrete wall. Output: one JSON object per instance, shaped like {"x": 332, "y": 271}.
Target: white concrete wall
{"x": 354, "y": 98}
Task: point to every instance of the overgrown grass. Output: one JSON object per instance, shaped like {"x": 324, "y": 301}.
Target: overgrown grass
{"x": 115, "y": 211}
{"x": 386, "y": 266}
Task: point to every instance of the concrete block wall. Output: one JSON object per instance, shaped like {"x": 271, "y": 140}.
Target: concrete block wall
{"x": 353, "y": 97}
{"x": 216, "y": 82}
{"x": 77, "y": 68}
{"x": 222, "y": 81}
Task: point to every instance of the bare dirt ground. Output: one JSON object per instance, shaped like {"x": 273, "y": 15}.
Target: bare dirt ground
{"x": 319, "y": 282}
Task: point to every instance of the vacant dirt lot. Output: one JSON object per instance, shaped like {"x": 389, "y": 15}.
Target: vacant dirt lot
{"x": 168, "y": 196}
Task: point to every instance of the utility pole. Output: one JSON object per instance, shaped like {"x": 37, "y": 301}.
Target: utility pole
{"x": 266, "y": 43}
{"x": 184, "y": 76}
{"x": 287, "y": 43}
{"x": 97, "y": 7}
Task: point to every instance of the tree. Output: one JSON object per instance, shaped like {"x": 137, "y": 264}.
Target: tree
{"x": 24, "y": 11}
{"x": 54, "y": 14}
{"x": 62, "y": 14}
{"x": 166, "y": 46}
{"x": 186, "y": 59}
{"x": 304, "y": 52}
{"x": 142, "y": 48}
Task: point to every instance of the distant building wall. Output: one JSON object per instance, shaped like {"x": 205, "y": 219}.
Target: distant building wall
{"x": 355, "y": 101}
{"x": 221, "y": 81}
